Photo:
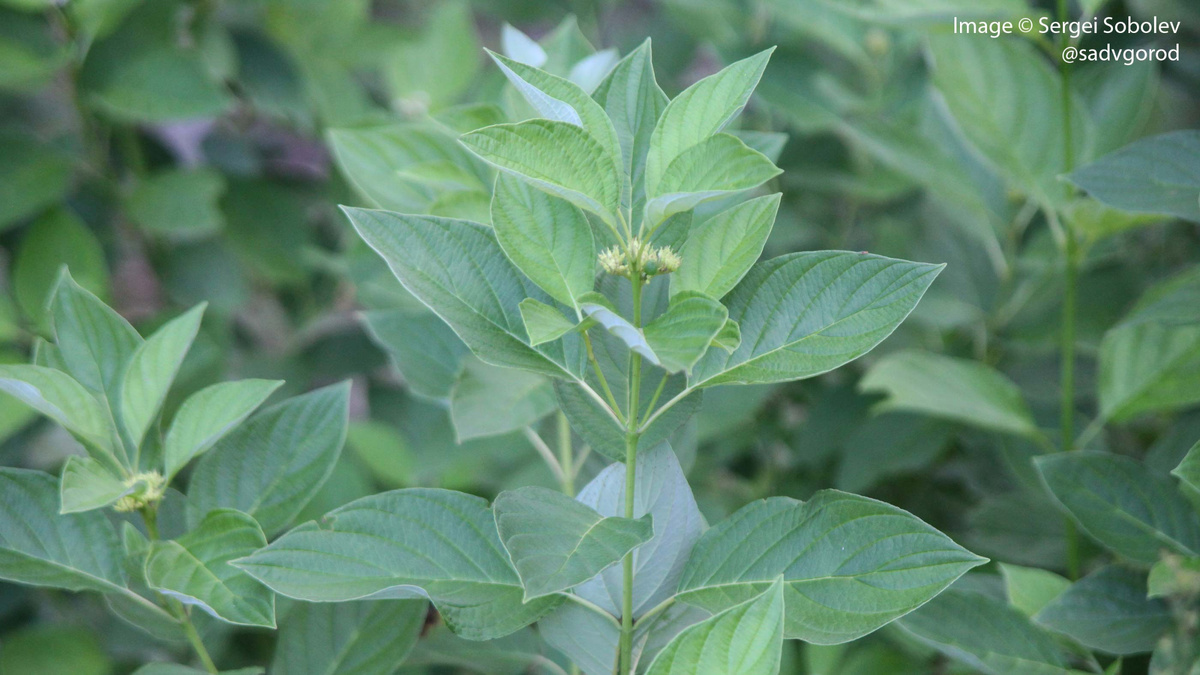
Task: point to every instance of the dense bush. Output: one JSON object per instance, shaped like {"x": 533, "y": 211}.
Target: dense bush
{"x": 264, "y": 433}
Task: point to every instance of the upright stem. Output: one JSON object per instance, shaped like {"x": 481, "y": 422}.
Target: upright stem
{"x": 173, "y": 606}
{"x": 566, "y": 458}
{"x": 1070, "y": 295}
{"x": 632, "y": 435}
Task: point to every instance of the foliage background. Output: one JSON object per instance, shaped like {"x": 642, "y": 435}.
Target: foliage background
{"x": 172, "y": 152}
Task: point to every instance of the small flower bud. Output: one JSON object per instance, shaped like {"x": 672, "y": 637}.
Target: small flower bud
{"x": 147, "y": 488}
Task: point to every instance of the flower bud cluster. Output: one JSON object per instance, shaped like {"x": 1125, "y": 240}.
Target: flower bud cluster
{"x": 146, "y": 489}
{"x": 649, "y": 260}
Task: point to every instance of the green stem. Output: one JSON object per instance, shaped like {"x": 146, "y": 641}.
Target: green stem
{"x": 173, "y": 606}
{"x": 566, "y": 457}
{"x": 632, "y": 435}
{"x": 612, "y": 400}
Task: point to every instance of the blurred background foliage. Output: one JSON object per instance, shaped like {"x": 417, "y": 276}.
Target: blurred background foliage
{"x": 174, "y": 151}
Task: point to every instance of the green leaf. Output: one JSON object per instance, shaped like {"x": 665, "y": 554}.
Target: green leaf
{"x": 424, "y": 348}
{"x": 178, "y": 204}
{"x": 94, "y": 341}
{"x": 195, "y": 569}
{"x": 543, "y": 323}
{"x": 157, "y": 83}
{"x": 714, "y": 168}
{"x": 489, "y": 400}
{"x": 75, "y": 551}
{"x": 604, "y": 434}
{"x": 729, "y": 337}
{"x": 1160, "y": 174}
{"x": 269, "y": 467}
{"x": 59, "y": 397}
{"x": 661, "y": 490}
{"x": 1175, "y": 301}
{"x": 555, "y": 98}
{"x": 479, "y": 300}
{"x": 700, "y": 111}
{"x": 850, "y": 564}
{"x": 721, "y": 250}
{"x": 1148, "y": 367}
{"x": 556, "y": 543}
{"x": 951, "y": 623}
{"x": 177, "y": 669}
{"x": 208, "y": 415}
{"x": 374, "y": 159}
{"x": 447, "y": 48}
{"x": 88, "y": 484}
{"x": 804, "y": 314}
{"x": 682, "y": 334}
{"x": 152, "y": 369}
{"x": 633, "y": 101}
{"x": 621, "y": 329}
{"x": 1030, "y": 589}
{"x": 410, "y": 543}
{"x": 1123, "y": 505}
{"x": 560, "y": 158}
{"x": 348, "y": 638}
{"x": 1007, "y": 101}
{"x": 520, "y": 47}
{"x": 546, "y": 238}
{"x": 956, "y": 389}
{"x": 1108, "y": 611}
{"x": 1188, "y": 471}
{"x": 745, "y": 639}
{"x": 32, "y": 176}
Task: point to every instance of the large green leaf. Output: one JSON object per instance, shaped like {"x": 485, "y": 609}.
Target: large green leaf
{"x": 208, "y": 415}
{"x": 273, "y": 464}
{"x": 721, "y": 250}
{"x": 661, "y": 490}
{"x": 1147, "y": 367}
{"x": 375, "y": 159}
{"x": 1011, "y": 643}
{"x": 700, "y": 111}
{"x": 88, "y": 484}
{"x": 555, "y": 98}
{"x": 1122, "y": 504}
{"x": 804, "y": 314}
{"x": 558, "y": 157}
{"x": 850, "y": 564}
{"x": 488, "y": 400}
{"x": 95, "y": 342}
{"x": 556, "y": 543}
{"x": 633, "y": 101}
{"x": 447, "y": 48}
{"x": 75, "y": 551}
{"x": 155, "y": 83}
{"x": 458, "y": 269}
{"x": 348, "y": 638}
{"x": 59, "y": 397}
{"x": 403, "y": 544}
{"x": 1160, "y": 174}
{"x": 152, "y": 369}
{"x": 956, "y": 389}
{"x": 195, "y": 569}
{"x": 714, "y": 168}
{"x": 1007, "y": 100}
{"x": 547, "y": 238}
{"x": 1108, "y": 611}
{"x": 424, "y": 348}
{"x": 683, "y": 333}
{"x": 746, "y": 639}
